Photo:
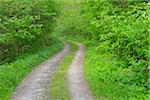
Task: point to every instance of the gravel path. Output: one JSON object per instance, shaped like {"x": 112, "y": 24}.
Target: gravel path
{"x": 77, "y": 85}
{"x": 35, "y": 85}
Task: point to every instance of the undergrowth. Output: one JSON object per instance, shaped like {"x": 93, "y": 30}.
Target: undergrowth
{"x": 109, "y": 78}
{"x": 117, "y": 57}
{"x": 12, "y": 73}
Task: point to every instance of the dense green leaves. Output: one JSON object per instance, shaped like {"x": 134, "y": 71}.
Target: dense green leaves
{"x": 26, "y": 39}
{"x": 121, "y": 28}
{"x": 25, "y": 24}
{"x": 117, "y": 65}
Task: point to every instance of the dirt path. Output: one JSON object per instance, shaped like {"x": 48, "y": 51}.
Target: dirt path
{"x": 35, "y": 85}
{"x": 77, "y": 85}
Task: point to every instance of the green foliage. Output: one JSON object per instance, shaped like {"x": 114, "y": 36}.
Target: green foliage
{"x": 121, "y": 28}
{"x": 11, "y": 74}
{"x": 69, "y": 22}
{"x": 110, "y": 79}
{"x": 125, "y": 30}
{"x": 25, "y": 24}
{"x": 26, "y": 39}
{"x": 116, "y": 62}
{"x": 121, "y": 31}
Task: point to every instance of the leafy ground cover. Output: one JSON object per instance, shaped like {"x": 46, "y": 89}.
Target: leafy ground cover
{"x": 109, "y": 78}
{"x": 117, "y": 58}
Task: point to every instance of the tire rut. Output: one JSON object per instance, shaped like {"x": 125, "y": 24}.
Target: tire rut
{"x": 77, "y": 85}
{"x": 35, "y": 86}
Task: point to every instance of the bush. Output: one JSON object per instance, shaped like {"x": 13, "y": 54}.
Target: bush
{"x": 25, "y": 24}
{"x": 117, "y": 65}
{"x": 121, "y": 28}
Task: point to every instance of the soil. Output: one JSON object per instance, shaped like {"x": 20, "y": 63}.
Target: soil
{"x": 36, "y": 85}
{"x": 77, "y": 84}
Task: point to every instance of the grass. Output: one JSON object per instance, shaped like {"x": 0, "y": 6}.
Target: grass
{"x": 108, "y": 77}
{"x": 12, "y": 73}
{"x": 59, "y": 87}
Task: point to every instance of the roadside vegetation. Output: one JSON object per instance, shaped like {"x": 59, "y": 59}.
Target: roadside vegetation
{"x": 26, "y": 39}
{"x": 116, "y": 34}
{"x": 120, "y": 58}
{"x": 59, "y": 86}
{"x": 25, "y": 25}
{"x": 12, "y": 73}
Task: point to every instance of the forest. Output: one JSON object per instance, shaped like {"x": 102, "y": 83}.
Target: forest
{"x": 115, "y": 34}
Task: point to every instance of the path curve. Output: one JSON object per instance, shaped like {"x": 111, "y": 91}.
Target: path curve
{"x": 35, "y": 85}
{"x": 77, "y": 85}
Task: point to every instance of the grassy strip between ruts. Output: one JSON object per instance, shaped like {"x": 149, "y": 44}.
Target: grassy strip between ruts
{"x": 105, "y": 74}
{"x": 11, "y": 74}
{"x": 58, "y": 87}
